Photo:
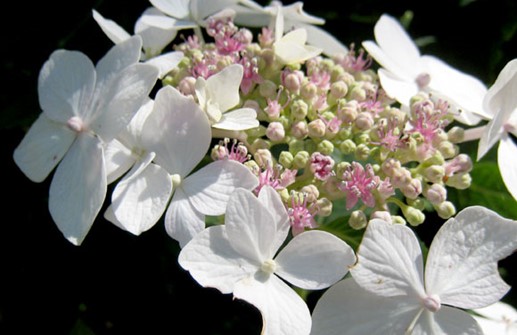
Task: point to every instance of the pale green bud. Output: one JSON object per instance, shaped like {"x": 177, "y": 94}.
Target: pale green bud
{"x": 460, "y": 181}
{"x": 362, "y": 152}
{"x": 267, "y": 89}
{"x": 341, "y": 167}
{"x": 253, "y": 166}
{"x": 397, "y": 219}
{"x": 347, "y": 147}
{"x": 357, "y": 220}
{"x": 413, "y": 216}
{"x": 362, "y": 138}
{"x": 418, "y": 203}
{"x": 286, "y": 159}
{"x": 325, "y": 147}
{"x": 445, "y": 210}
{"x": 456, "y": 134}
{"x": 309, "y": 91}
{"x": 434, "y": 173}
{"x": 301, "y": 159}
{"x": 344, "y": 133}
{"x": 259, "y": 144}
{"x": 357, "y": 93}
{"x": 448, "y": 149}
{"x": 263, "y": 157}
{"x": 284, "y": 195}
{"x": 299, "y": 109}
{"x": 317, "y": 128}
{"x": 324, "y": 207}
{"x": 311, "y": 192}
{"x": 296, "y": 146}
{"x": 338, "y": 89}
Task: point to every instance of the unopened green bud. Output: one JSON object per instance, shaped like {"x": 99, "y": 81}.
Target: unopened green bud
{"x": 296, "y": 146}
{"x": 341, "y": 167}
{"x": 338, "y": 89}
{"x": 252, "y": 166}
{"x": 456, "y": 134}
{"x": 434, "y": 173}
{"x": 344, "y": 133}
{"x": 299, "y": 109}
{"x": 325, "y": 147}
{"x": 301, "y": 159}
{"x": 448, "y": 149}
{"x": 397, "y": 219}
{"x": 284, "y": 195}
{"x": 460, "y": 181}
{"x": 413, "y": 216}
{"x": 263, "y": 157}
{"x": 300, "y": 129}
{"x": 309, "y": 91}
{"x": 267, "y": 89}
{"x": 357, "y": 220}
{"x": 317, "y": 128}
{"x": 324, "y": 207}
{"x": 286, "y": 159}
{"x": 417, "y": 203}
{"x": 357, "y": 93}
{"x": 445, "y": 210}
{"x": 259, "y": 144}
{"x": 363, "y": 138}
{"x": 311, "y": 192}
{"x": 362, "y": 152}
{"x": 347, "y": 147}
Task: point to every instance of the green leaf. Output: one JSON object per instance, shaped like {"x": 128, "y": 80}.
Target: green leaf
{"x": 487, "y": 189}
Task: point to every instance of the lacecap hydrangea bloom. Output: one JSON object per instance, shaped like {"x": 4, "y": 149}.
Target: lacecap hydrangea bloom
{"x": 266, "y": 147}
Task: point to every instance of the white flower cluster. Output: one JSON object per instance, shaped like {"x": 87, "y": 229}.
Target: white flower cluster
{"x": 346, "y": 133}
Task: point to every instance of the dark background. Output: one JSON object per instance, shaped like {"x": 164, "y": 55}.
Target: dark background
{"x": 116, "y": 283}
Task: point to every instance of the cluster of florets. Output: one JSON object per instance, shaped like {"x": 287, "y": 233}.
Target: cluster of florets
{"x": 329, "y": 134}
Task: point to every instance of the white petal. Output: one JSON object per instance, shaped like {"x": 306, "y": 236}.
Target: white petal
{"x": 210, "y": 187}
{"x": 506, "y": 159}
{"x": 165, "y": 23}
{"x": 65, "y": 85}
{"x": 348, "y": 309}
{"x": 141, "y": 197}
{"x": 497, "y": 319}
{"x": 42, "y": 148}
{"x": 212, "y": 262}
{"x": 291, "y": 48}
{"x": 294, "y": 12}
{"x": 182, "y": 221}
{"x": 250, "y": 226}
{"x": 399, "y": 89}
{"x": 174, "y": 8}
{"x": 168, "y": 132}
{"x": 78, "y": 188}
{"x": 462, "y": 262}
{"x": 223, "y": 87}
{"x": 500, "y": 96}
{"x": 320, "y": 38}
{"x": 397, "y": 52}
{"x": 314, "y": 260}
{"x": 239, "y": 119}
{"x": 114, "y": 32}
{"x": 166, "y": 62}
{"x": 119, "y": 57}
{"x": 122, "y": 99}
{"x": 154, "y": 39}
{"x": 389, "y": 261}
{"x": 446, "y": 321}
{"x": 118, "y": 160}
{"x": 492, "y": 133}
{"x": 283, "y": 311}
{"x": 463, "y": 92}
{"x": 270, "y": 198}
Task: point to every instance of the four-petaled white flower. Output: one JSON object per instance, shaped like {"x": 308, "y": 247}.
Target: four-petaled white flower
{"x": 291, "y": 48}
{"x": 405, "y": 72}
{"x": 501, "y": 102}
{"x": 497, "y": 319}
{"x": 170, "y": 153}
{"x": 240, "y": 257}
{"x": 154, "y": 40}
{"x": 84, "y": 106}
{"x": 219, "y": 93}
{"x": 389, "y": 293}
